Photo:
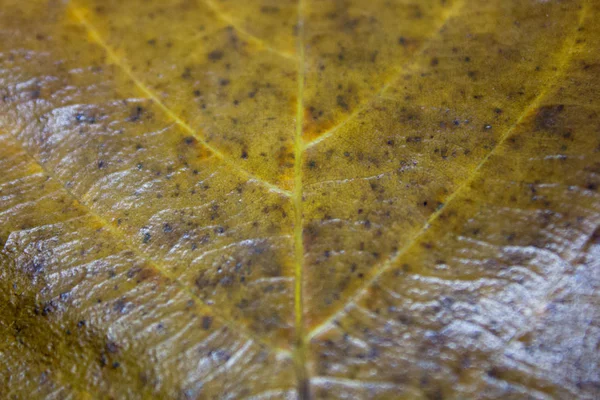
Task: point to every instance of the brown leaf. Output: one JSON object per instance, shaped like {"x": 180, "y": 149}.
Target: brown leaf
{"x": 299, "y": 199}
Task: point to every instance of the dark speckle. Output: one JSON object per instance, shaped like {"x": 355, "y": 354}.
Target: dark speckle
{"x": 48, "y": 308}
{"x": 112, "y": 347}
{"x": 493, "y": 372}
{"x": 342, "y": 102}
{"x": 187, "y": 73}
{"x": 82, "y": 118}
{"x": 120, "y": 306}
{"x": 374, "y": 56}
{"x": 136, "y": 114}
{"x": 226, "y": 281}
{"x": 546, "y": 117}
{"x": 215, "y": 55}
{"x": 147, "y": 237}
{"x": 206, "y": 322}
{"x": 269, "y": 9}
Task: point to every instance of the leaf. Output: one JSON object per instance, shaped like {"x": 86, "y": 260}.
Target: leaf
{"x": 294, "y": 199}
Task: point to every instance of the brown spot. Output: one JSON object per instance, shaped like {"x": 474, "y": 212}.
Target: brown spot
{"x": 341, "y": 102}
{"x": 215, "y": 55}
{"x": 136, "y": 114}
{"x": 546, "y": 117}
{"x": 206, "y": 322}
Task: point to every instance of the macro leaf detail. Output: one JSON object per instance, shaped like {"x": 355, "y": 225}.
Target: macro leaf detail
{"x": 299, "y": 199}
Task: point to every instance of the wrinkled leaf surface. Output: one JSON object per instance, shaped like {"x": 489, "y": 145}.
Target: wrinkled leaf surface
{"x": 290, "y": 199}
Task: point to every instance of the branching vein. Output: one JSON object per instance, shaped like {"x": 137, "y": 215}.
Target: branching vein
{"x": 114, "y": 231}
{"x": 248, "y": 35}
{"x": 533, "y": 105}
{"x": 95, "y": 35}
{"x": 452, "y": 11}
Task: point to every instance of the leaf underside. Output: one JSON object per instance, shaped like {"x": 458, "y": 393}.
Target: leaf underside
{"x": 299, "y": 199}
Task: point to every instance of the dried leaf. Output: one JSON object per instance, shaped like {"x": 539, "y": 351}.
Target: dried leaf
{"x": 292, "y": 199}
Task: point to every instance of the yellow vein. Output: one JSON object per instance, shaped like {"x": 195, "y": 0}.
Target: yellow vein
{"x": 300, "y": 342}
{"x": 392, "y": 260}
{"x": 226, "y": 18}
{"x": 452, "y": 11}
{"x": 118, "y": 235}
{"x": 121, "y": 64}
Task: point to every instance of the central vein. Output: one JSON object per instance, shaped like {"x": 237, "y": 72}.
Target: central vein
{"x": 300, "y": 344}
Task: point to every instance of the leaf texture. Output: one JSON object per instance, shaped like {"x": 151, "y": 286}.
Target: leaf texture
{"x": 299, "y": 199}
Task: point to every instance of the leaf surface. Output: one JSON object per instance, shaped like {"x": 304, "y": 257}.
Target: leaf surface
{"x": 299, "y": 199}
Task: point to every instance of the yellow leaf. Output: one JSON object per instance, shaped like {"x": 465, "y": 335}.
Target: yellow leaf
{"x": 299, "y": 199}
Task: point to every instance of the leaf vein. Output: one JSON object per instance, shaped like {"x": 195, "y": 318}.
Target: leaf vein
{"x": 300, "y": 342}
{"x": 119, "y": 236}
{"x": 396, "y": 256}
{"x": 447, "y": 16}
{"x": 95, "y": 35}
{"x": 226, "y": 18}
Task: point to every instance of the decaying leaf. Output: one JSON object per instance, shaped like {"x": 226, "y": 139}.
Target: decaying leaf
{"x": 290, "y": 199}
